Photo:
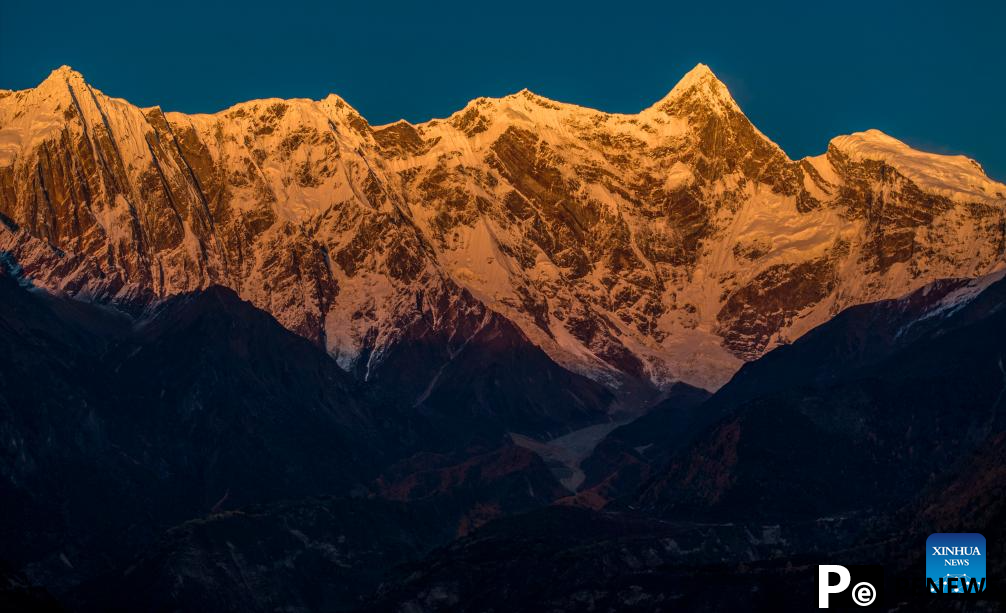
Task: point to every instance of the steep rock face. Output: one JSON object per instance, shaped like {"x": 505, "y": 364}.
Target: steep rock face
{"x": 669, "y": 245}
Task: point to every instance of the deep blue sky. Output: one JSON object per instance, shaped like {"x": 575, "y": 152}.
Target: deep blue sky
{"x": 930, "y": 73}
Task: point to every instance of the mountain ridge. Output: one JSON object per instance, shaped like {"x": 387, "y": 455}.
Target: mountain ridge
{"x": 669, "y": 245}
{"x": 698, "y": 76}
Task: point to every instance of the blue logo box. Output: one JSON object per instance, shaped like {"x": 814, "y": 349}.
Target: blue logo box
{"x": 955, "y": 563}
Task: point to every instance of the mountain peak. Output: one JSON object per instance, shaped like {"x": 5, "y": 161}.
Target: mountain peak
{"x": 338, "y": 103}
{"x": 954, "y": 176}
{"x": 872, "y": 136}
{"x": 60, "y": 83}
{"x": 65, "y": 70}
{"x": 64, "y": 74}
{"x": 697, "y": 74}
{"x": 699, "y": 85}
{"x": 526, "y": 94}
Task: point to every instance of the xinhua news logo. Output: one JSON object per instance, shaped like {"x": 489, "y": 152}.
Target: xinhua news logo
{"x": 844, "y": 587}
{"x": 955, "y": 563}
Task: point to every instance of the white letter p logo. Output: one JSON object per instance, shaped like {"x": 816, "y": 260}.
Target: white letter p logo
{"x": 824, "y": 588}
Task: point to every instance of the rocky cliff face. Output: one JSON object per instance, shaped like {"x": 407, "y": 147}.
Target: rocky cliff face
{"x": 673, "y": 244}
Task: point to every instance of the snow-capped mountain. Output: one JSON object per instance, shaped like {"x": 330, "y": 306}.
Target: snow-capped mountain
{"x": 673, "y": 244}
